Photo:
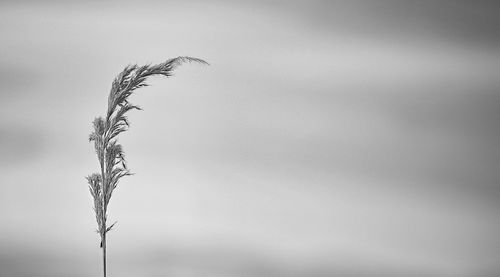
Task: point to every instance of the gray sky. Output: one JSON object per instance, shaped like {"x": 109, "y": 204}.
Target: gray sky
{"x": 355, "y": 138}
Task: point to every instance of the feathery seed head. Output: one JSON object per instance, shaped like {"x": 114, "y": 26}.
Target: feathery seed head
{"x": 106, "y": 130}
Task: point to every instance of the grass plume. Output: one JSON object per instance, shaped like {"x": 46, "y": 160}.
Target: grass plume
{"x": 105, "y": 133}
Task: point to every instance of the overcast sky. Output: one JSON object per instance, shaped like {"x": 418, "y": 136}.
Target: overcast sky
{"x": 326, "y": 138}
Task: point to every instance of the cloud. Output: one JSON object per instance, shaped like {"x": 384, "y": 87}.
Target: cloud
{"x": 16, "y": 81}
{"x": 20, "y": 145}
{"x": 364, "y": 126}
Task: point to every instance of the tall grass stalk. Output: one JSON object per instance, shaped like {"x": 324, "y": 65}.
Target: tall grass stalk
{"x": 105, "y": 133}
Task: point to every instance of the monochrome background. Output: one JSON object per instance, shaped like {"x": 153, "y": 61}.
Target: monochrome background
{"x": 326, "y": 138}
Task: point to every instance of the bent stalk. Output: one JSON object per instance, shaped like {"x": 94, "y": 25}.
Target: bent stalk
{"x": 105, "y": 137}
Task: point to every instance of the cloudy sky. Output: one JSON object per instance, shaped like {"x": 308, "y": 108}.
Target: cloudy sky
{"x": 326, "y": 138}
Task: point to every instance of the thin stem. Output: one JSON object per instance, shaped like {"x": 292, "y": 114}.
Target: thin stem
{"x": 103, "y": 211}
{"x": 104, "y": 253}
